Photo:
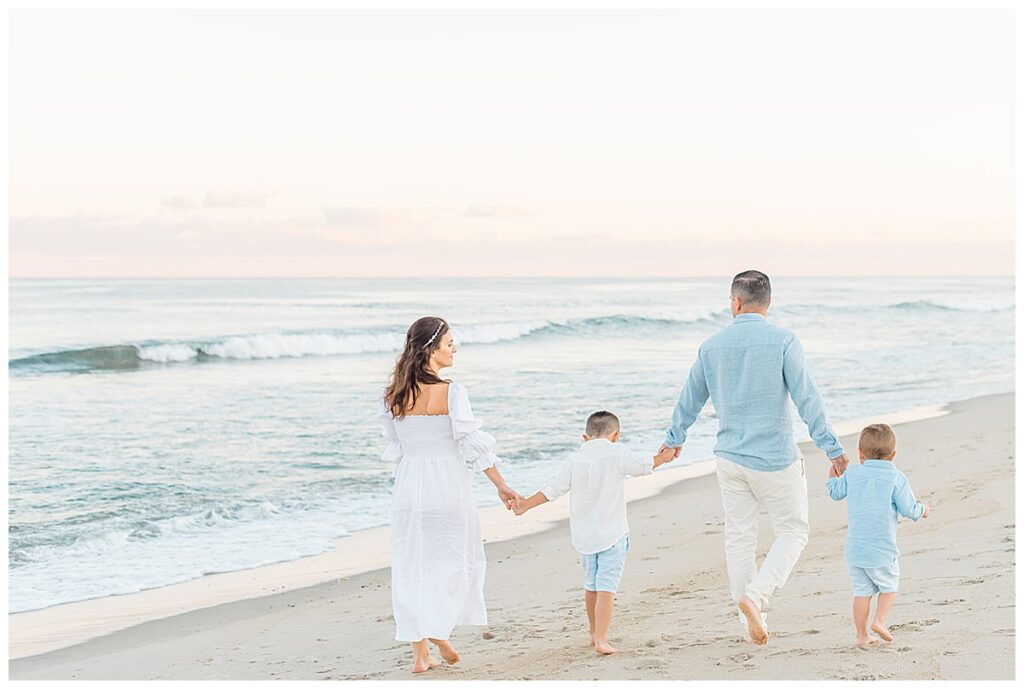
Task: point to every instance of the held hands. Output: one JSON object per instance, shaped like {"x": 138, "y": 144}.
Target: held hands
{"x": 665, "y": 455}
{"x": 519, "y": 507}
{"x": 839, "y": 465}
{"x": 832, "y": 472}
{"x": 508, "y": 496}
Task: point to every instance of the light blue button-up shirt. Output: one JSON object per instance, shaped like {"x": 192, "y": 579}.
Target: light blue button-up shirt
{"x": 748, "y": 369}
{"x": 876, "y": 493}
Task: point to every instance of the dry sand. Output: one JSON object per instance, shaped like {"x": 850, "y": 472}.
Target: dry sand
{"x": 953, "y": 619}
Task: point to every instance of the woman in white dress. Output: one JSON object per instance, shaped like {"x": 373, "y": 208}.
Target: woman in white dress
{"x": 437, "y": 552}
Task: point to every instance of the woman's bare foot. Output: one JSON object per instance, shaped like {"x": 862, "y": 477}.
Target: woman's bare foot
{"x": 882, "y": 631}
{"x": 447, "y": 651}
{"x": 755, "y": 627}
{"x": 424, "y": 664}
{"x": 602, "y": 646}
{"x": 865, "y": 641}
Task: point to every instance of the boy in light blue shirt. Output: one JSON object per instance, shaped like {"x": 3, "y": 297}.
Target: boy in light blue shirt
{"x": 877, "y": 495}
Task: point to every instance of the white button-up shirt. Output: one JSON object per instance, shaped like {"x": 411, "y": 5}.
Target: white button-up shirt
{"x": 595, "y": 475}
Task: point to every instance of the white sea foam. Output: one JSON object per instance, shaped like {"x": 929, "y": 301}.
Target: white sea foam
{"x": 294, "y": 345}
{"x": 275, "y": 346}
{"x": 489, "y": 333}
{"x": 168, "y": 353}
{"x": 182, "y": 548}
{"x": 280, "y": 345}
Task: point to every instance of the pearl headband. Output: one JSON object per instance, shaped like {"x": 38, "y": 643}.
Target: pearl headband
{"x": 434, "y": 336}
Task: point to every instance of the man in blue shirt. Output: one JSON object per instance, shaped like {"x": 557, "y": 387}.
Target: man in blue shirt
{"x": 750, "y": 369}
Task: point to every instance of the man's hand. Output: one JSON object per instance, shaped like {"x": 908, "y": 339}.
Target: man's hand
{"x": 675, "y": 450}
{"x": 665, "y": 455}
{"x": 519, "y": 507}
{"x": 839, "y": 464}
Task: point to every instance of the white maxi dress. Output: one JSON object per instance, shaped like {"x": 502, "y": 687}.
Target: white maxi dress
{"x": 437, "y": 552}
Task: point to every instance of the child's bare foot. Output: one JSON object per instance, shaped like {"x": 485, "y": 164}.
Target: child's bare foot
{"x": 865, "y": 641}
{"x": 755, "y": 627}
{"x": 882, "y": 631}
{"x": 602, "y": 646}
{"x": 424, "y": 664}
{"x": 448, "y": 652}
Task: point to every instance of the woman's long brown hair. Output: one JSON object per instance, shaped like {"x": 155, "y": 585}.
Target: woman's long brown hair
{"x": 411, "y": 367}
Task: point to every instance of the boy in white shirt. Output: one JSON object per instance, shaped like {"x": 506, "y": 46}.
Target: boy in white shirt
{"x": 597, "y": 512}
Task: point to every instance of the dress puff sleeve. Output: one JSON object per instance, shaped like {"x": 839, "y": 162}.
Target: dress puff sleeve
{"x": 387, "y": 422}
{"x": 474, "y": 445}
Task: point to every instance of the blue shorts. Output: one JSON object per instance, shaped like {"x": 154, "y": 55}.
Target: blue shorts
{"x": 604, "y": 569}
{"x": 867, "y": 581}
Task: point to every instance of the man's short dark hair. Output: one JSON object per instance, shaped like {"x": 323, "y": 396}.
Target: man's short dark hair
{"x": 602, "y": 424}
{"x": 752, "y": 287}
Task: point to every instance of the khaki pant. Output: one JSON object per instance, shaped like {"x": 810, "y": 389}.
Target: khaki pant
{"x": 783, "y": 494}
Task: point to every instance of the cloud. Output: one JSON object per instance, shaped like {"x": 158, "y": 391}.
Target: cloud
{"x": 253, "y": 198}
{"x": 95, "y": 244}
{"x": 494, "y": 211}
{"x": 177, "y": 202}
{"x": 220, "y": 198}
{"x": 341, "y": 217}
{"x": 358, "y": 225}
{"x": 405, "y": 222}
{"x": 362, "y": 217}
{"x": 151, "y": 235}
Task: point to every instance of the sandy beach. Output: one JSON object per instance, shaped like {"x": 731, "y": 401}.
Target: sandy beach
{"x": 954, "y": 618}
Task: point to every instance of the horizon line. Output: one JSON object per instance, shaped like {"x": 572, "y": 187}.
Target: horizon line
{"x": 480, "y": 277}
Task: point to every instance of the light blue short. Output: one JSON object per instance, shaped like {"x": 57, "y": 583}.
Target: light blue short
{"x": 604, "y": 569}
{"x": 867, "y": 581}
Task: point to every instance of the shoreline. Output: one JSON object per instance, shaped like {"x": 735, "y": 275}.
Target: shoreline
{"x": 41, "y": 631}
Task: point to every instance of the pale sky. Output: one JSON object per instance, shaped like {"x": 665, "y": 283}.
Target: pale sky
{"x": 350, "y": 143}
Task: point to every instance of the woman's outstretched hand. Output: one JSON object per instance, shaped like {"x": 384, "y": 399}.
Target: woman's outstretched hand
{"x": 507, "y": 495}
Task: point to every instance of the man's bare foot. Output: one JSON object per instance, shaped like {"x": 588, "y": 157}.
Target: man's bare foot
{"x": 425, "y": 664}
{"x": 604, "y": 647}
{"x": 755, "y": 627}
{"x": 865, "y": 641}
{"x": 881, "y": 630}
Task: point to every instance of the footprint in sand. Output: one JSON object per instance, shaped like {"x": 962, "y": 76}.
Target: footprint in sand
{"x": 862, "y": 676}
{"x": 914, "y": 625}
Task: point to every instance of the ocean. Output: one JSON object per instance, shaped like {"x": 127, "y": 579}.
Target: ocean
{"x": 162, "y": 430}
